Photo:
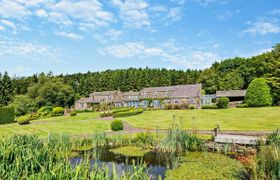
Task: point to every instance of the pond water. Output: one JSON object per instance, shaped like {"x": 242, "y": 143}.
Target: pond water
{"x": 157, "y": 163}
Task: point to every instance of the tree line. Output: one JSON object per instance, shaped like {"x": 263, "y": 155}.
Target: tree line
{"x": 62, "y": 90}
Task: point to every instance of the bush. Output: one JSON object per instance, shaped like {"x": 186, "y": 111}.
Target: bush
{"x": 258, "y": 93}
{"x": 144, "y": 138}
{"x": 58, "y": 111}
{"x": 175, "y": 107}
{"x": 24, "y": 120}
{"x": 7, "y": 115}
{"x": 192, "y": 107}
{"x": 121, "y": 110}
{"x": 167, "y": 106}
{"x": 45, "y": 109}
{"x": 128, "y": 113}
{"x": 223, "y": 103}
{"x": 242, "y": 105}
{"x": 73, "y": 113}
{"x": 214, "y": 106}
{"x": 106, "y": 114}
{"x": 116, "y": 125}
{"x": 183, "y": 105}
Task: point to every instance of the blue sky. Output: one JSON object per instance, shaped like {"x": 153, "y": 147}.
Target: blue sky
{"x": 68, "y": 36}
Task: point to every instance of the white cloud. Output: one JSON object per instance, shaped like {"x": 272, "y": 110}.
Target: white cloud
{"x": 41, "y": 13}
{"x": 90, "y": 11}
{"x": 262, "y": 27}
{"x": 207, "y": 2}
{"x": 167, "y": 52}
{"x": 180, "y": 2}
{"x": 133, "y": 13}
{"x": 7, "y": 23}
{"x": 225, "y": 16}
{"x": 72, "y": 36}
{"x": 10, "y": 48}
{"x": 21, "y": 69}
{"x": 175, "y": 14}
{"x": 2, "y": 28}
{"x": 274, "y": 12}
{"x": 11, "y": 9}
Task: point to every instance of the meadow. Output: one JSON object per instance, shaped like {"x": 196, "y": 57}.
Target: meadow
{"x": 260, "y": 119}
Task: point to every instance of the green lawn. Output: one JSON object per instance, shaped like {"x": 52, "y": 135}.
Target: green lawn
{"x": 267, "y": 118}
{"x": 81, "y": 124}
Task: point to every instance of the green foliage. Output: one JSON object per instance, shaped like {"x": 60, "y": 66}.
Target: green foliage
{"x": 28, "y": 157}
{"x": 45, "y": 109}
{"x": 22, "y": 120}
{"x": 52, "y": 91}
{"x": 73, "y": 113}
{"x": 133, "y": 151}
{"x": 214, "y": 106}
{"x": 223, "y": 103}
{"x": 6, "y": 89}
{"x": 7, "y": 115}
{"x": 116, "y": 125}
{"x": 274, "y": 138}
{"x": 58, "y": 111}
{"x": 242, "y": 105}
{"x": 231, "y": 80}
{"x": 106, "y": 114}
{"x": 179, "y": 141}
{"x": 144, "y": 138}
{"x": 23, "y": 104}
{"x": 268, "y": 162}
{"x": 128, "y": 113}
{"x": 203, "y": 165}
{"x": 258, "y": 93}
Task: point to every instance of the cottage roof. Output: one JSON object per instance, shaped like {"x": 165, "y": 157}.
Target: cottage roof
{"x": 85, "y": 100}
{"x": 104, "y": 93}
{"x": 188, "y": 91}
{"x": 131, "y": 93}
{"x": 231, "y": 93}
{"x": 192, "y": 90}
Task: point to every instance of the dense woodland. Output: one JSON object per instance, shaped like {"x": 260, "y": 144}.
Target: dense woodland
{"x": 62, "y": 90}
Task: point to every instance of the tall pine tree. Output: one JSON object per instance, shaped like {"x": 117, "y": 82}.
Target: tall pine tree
{"x": 6, "y": 89}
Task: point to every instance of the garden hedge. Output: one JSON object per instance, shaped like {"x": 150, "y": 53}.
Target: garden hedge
{"x": 258, "y": 93}
{"x": 128, "y": 113}
{"x": 223, "y": 103}
{"x": 7, "y": 115}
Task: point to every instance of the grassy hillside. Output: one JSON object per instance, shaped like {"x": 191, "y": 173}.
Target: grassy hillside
{"x": 267, "y": 118}
{"x": 81, "y": 124}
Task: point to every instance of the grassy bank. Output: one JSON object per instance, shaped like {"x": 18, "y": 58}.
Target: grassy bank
{"x": 81, "y": 124}
{"x": 266, "y": 118}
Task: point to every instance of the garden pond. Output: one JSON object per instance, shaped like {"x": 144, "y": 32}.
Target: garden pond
{"x": 157, "y": 163}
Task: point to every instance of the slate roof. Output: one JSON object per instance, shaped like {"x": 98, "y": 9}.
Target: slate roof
{"x": 180, "y": 91}
{"x": 85, "y": 100}
{"x": 104, "y": 93}
{"x": 231, "y": 93}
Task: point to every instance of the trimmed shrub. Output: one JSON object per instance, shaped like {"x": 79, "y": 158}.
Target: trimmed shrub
{"x": 258, "y": 93}
{"x": 7, "y": 115}
{"x": 106, "y": 114}
{"x": 121, "y": 110}
{"x": 167, "y": 106}
{"x": 73, "y": 113}
{"x": 176, "y": 107}
{"x": 214, "y": 106}
{"x": 116, "y": 125}
{"x": 58, "y": 111}
{"x": 223, "y": 103}
{"x": 184, "y": 105}
{"x": 128, "y": 113}
{"x": 242, "y": 106}
{"x": 192, "y": 107}
{"x": 24, "y": 120}
{"x": 45, "y": 109}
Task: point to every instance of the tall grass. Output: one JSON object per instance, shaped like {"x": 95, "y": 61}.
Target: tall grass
{"x": 29, "y": 157}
